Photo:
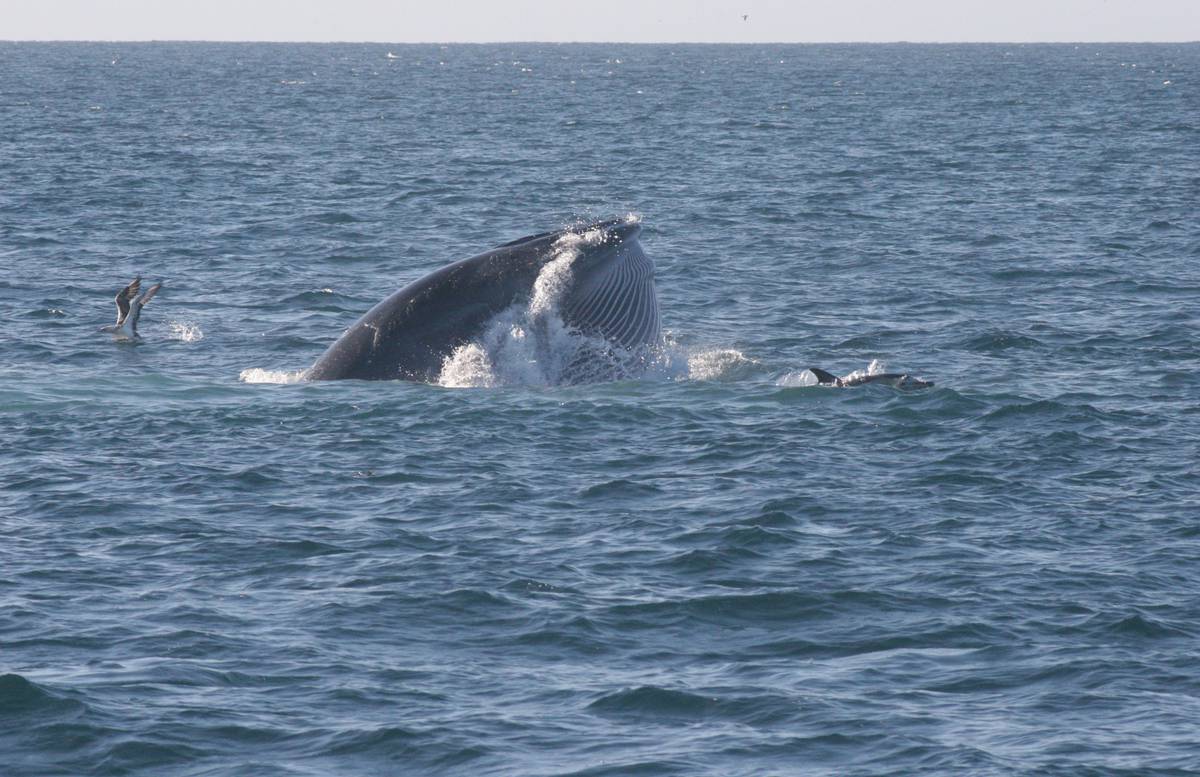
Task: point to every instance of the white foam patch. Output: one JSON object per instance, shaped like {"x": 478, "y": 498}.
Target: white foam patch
{"x": 876, "y": 367}
{"x": 798, "y": 379}
{"x": 185, "y": 331}
{"x": 259, "y": 375}
{"x": 717, "y": 363}
{"x": 469, "y": 366}
{"x": 518, "y": 349}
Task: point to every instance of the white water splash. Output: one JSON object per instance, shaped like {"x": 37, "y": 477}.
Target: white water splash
{"x": 717, "y": 363}
{"x": 798, "y": 379}
{"x": 674, "y": 361}
{"x": 185, "y": 331}
{"x": 876, "y": 367}
{"x": 469, "y": 366}
{"x": 259, "y": 375}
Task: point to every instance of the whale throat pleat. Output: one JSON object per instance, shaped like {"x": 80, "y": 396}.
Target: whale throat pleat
{"x": 620, "y": 304}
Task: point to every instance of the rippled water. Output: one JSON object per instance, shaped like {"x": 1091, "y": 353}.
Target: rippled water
{"x": 719, "y": 569}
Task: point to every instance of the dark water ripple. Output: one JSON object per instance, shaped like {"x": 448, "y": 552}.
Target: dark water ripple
{"x": 721, "y": 570}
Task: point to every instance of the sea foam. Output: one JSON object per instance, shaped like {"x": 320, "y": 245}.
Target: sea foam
{"x": 259, "y": 375}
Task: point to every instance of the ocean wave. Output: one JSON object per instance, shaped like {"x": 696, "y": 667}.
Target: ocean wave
{"x": 675, "y": 705}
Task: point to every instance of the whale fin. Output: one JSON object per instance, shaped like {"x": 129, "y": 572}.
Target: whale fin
{"x": 824, "y": 377}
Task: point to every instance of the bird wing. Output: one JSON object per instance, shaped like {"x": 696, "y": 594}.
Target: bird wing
{"x": 135, "y": 308}
{"x": 123, "y": 298}
{"x": 150, "y": 292}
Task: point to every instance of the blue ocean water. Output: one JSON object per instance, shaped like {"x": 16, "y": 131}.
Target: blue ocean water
{"x": 209, "y": 568}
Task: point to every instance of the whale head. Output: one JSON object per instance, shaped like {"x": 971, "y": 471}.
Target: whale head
{"x": 595, "y": 275}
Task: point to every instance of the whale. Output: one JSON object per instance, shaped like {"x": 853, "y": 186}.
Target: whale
{"x": 897, "y": 379}
{"x": 608, "y": 300}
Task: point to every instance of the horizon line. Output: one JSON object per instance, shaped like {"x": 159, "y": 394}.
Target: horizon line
{"x": 608, "y": 42}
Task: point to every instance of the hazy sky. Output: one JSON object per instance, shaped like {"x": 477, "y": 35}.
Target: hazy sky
{"x": 397, "y": 21}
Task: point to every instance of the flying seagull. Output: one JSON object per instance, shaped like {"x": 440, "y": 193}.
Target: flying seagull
{"x": 129, "y": 309}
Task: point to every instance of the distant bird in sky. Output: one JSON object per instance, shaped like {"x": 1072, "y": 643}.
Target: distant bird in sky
{"x": 129, "y": 309}
{"x": 745, "y": 17}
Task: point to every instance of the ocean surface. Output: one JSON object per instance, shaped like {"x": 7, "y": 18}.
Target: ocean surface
{"x": 211, "y": 567}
